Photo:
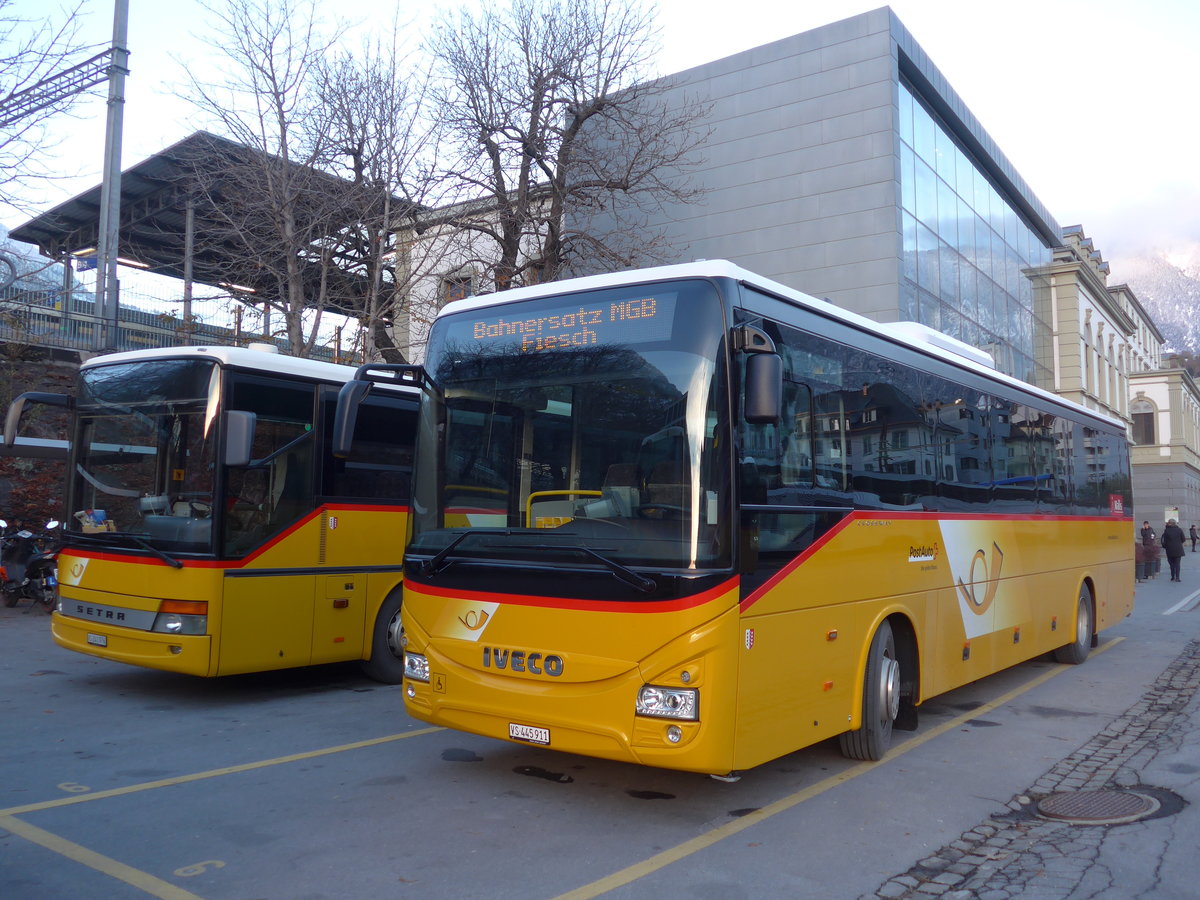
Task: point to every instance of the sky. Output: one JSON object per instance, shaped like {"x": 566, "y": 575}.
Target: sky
{"x": 1093, "y": 103}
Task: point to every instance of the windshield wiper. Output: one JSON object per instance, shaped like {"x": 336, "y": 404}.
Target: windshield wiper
{"x": 441, "y": 561}
{"x": 620, "y": 572}
{"x": 137, "y": 539}
{"x": 438, "y": 562}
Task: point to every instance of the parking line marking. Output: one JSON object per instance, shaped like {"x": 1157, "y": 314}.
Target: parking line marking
{"x": 703, "y": 841}
{"x": 211, "y": 773}
{"x": 1185, "y": 604}
{"x": 106, "y": 865}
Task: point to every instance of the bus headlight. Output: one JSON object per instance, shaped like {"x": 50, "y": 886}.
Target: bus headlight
{"x": 181, "y": 617}
{"x": 416, "y": 667}
{"x": 668, "y": 703}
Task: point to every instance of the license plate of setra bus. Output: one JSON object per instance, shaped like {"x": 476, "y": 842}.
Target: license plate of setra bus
{"x": 98, "y": 640}
{"x": 529, "y": 734}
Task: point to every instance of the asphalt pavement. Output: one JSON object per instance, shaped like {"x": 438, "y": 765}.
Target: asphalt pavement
{"x": 1116, "y": 819}
{"x": 121, "y": 782}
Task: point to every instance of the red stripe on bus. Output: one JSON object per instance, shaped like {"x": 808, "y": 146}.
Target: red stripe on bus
{"x": 227, "y": 564}
{"x": 860, "y": 515}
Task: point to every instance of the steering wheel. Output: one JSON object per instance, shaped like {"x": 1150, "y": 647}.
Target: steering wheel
{"x": 200, "y": 507}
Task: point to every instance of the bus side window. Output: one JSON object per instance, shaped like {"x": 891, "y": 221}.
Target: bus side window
{"x": 379, "y": 466}
{"x": 777, "y": 458}
{"x": 261, "y": 499}
{"x": 796, "y": 459}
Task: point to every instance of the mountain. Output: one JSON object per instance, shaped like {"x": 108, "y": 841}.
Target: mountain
{"x": 1168, "y": 286}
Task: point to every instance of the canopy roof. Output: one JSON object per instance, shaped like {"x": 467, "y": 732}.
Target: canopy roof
{"x": 153, "y": 213}
{"x": 152, "y": 227}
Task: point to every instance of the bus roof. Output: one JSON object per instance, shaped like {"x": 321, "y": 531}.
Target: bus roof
{"x": 909, "y": 334}
{"x": 243, "y": 358}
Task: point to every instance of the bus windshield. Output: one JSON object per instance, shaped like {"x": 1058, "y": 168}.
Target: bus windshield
{"x": 145, "y": 453}
{"x": 587, "y": 429}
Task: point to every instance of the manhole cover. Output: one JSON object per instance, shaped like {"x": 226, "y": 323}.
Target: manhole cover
{"x": 1098, "y": 807}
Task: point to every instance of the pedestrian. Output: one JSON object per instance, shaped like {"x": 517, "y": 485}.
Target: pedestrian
{"x": 1172, "y": 541}
{"x": 1193, "y": 534}
{"x": 1148, "y": 534}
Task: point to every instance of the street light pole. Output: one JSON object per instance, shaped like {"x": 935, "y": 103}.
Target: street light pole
{"x": 107, "y": 286}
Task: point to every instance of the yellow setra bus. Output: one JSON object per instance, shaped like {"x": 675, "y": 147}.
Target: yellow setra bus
{"x": 690, "y": 518}
{"x": 210, "y": 531}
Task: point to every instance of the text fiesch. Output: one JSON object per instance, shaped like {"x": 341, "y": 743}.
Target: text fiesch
{"x": 579, "y": 328}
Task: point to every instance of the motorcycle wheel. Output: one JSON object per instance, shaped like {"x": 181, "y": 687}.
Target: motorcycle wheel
{"x": 11, "y": 598}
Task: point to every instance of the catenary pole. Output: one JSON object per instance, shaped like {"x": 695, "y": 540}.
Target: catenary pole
{"x": 107, "y": 286}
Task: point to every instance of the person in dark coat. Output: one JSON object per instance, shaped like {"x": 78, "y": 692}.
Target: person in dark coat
{"x": 1194, "y": 535}
{"x": 1172, "y": 542}
{"x": 1148, "y": 534}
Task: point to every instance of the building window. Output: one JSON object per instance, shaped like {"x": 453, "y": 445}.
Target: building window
{"x": 1142, "y": 413}
{"x": 964, "y": 245}
{"x": 455, "y": 287}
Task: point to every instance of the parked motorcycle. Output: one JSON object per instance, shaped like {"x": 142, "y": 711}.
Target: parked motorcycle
{"x": 28, "y": 566}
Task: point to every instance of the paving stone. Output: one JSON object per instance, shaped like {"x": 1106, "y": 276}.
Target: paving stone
{"x": 948, "y": 878}
{"x": 933, "y": 889}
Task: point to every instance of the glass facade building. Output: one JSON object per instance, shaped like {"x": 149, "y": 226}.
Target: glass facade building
{"x": 842, "y": 163}
{"x": 965, "y": 248}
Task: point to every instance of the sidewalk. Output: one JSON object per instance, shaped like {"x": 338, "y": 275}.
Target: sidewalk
{"x": 1149, "y": 755}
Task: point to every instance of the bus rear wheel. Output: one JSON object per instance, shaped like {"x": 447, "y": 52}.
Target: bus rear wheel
{"x": 1074, "y": 653}
{"x": 880, "y": 700}
{"x": 386, "y": 663}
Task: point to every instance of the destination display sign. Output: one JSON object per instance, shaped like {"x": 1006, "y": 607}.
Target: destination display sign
{"x": 569, "y": 324}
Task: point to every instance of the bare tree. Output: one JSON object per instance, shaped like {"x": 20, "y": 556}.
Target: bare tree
{"x": 379, "y": 142}
{"x": 553, "y": 115}
{"x": 32, "y": 50}
{"x": 273, "y": 207}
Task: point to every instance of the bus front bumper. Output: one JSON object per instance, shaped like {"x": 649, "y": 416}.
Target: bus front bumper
{"x": 187, "y": 654}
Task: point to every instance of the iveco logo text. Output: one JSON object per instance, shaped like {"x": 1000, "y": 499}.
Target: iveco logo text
{"x": 520, "y": 661}
{"x": 922, "y": 554}
{"x": 94, "y": 612}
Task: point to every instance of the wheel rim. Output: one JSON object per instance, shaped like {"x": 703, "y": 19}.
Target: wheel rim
{"x": 1083, "y": 624}
{"x": 395, "y": 636}
{"x": 889, "y": 688}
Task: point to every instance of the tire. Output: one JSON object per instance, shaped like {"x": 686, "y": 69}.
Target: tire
{"x": 386, "y": 663}
{"x": 1076, "y": 652}
{"x": 11, "y": 599}
{"x": 880, "y": 700}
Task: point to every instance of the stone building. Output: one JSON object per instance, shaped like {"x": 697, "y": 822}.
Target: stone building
{"x": 1103, "y": 350}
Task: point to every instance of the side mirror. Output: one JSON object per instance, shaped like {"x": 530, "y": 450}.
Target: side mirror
{"x": 763, "y": 388}
{"x": 239, "y": 437}
{"x": 345, "y": 416}
{"x": 12, "y": 420}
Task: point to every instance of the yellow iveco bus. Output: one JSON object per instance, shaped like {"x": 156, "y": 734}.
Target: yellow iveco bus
{"x": 690, "y": 518}
{"x": 210, "y": 531}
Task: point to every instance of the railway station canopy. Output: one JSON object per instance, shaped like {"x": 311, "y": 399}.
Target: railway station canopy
{"x": 153, "y": 232}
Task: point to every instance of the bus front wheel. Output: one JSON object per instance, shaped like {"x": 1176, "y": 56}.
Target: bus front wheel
{"x": 386, "y": 663}
{"x": 880, "y": 700}
{"x": 1077, "y": 651}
